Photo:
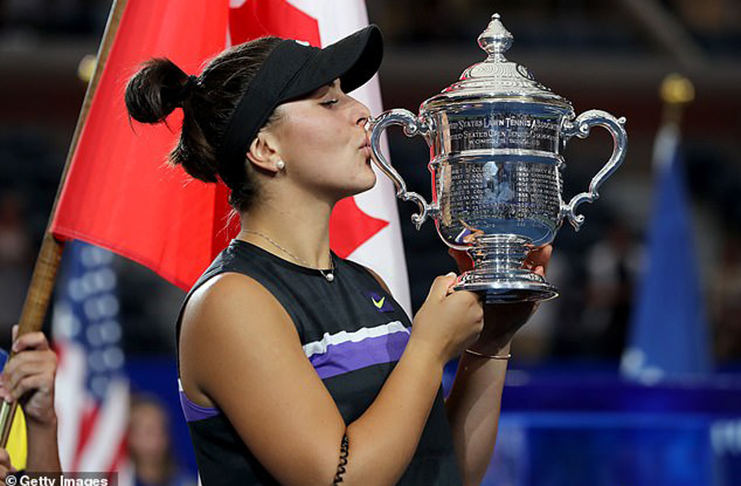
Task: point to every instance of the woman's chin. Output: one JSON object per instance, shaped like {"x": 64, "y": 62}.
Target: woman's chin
{"x": 372, "y": 179}
{"x": 364, "y": 184}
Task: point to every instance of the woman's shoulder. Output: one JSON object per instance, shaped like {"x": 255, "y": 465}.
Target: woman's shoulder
{"x": 229, "y": 291}
{"x": 228, "y": 309}
{"x": 369, "y": 272}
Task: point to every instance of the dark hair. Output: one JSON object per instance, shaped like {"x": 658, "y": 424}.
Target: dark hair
{"x": 208, "y": 102}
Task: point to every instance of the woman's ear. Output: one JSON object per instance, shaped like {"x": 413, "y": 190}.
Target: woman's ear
{"x": 263, "y": 155}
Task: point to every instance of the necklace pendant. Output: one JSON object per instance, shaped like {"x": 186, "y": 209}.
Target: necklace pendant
{"x": 329, "y": 276}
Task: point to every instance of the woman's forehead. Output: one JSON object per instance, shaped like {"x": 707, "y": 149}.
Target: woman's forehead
{"x": 319, "y": 92}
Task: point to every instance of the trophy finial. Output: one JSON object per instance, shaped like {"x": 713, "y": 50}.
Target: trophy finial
{"x": 495, "y": 40}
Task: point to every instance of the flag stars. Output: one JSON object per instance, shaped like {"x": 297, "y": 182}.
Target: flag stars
{"x": 76, "y": 290}
{"x": 103, "y": 307}
{"x": 88, "y": 317}
{"x": 66, "y": 324}
{"x": 113, "y": 357}
{"x": 110, "y": 331}
{"x": 92, "y": 282}
{"x": 102, "y": 280}
{"x": 99, "y": 385}
{"x": 104, "y": 333}
{"x": 93, "y": 256}
{"x": 93, "y": 335}
{"x": 102, "y": 360}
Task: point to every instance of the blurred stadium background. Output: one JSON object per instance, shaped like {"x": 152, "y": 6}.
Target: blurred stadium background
{"x": 569, "y": 418}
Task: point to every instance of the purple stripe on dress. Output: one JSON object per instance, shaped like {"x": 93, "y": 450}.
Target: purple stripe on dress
{"x": 350, "y": 356}
{"x": 193, "y": 411}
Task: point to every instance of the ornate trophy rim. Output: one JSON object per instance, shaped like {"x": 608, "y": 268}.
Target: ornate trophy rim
{"x": 496, "y": 78}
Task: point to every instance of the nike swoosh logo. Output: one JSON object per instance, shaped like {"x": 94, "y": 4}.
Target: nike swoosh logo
{"x": 378, "y": 304}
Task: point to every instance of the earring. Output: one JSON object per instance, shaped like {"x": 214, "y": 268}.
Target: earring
{"x": 280, "y": 165}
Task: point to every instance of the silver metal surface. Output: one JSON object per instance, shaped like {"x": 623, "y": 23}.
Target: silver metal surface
{"x": 495, "y": 142}
{"x": 412, "y": 126}
{"x": 580, "y": 127}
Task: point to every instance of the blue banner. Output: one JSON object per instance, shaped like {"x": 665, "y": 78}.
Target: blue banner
{"x": 669, "y": 331}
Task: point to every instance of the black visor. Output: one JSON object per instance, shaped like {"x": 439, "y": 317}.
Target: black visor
{"x": 294, "y": 70}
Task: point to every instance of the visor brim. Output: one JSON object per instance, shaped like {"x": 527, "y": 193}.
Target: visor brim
{"x": 353, "y": 59}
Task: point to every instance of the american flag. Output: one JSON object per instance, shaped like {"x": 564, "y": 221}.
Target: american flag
{"x": 92, "y": 392}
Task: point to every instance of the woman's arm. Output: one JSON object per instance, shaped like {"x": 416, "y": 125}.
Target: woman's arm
{"x": 240, "y": 350}
{"x": 474, "y": 402}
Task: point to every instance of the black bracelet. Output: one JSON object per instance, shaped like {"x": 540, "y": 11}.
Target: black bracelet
{"x": 344, "y": 449}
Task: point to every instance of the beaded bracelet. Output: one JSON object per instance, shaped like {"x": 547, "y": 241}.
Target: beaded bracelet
{"x": 344, "y": 450}
{"x": 475, "y": 353}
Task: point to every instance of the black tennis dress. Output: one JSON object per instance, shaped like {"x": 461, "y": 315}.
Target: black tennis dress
{"x": 353, "y": 333}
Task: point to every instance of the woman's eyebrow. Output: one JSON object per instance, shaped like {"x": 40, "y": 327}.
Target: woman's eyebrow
{"x": 323, "y": 90}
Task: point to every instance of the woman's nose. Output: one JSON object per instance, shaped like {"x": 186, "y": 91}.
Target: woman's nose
{"x": 363, "y": 114}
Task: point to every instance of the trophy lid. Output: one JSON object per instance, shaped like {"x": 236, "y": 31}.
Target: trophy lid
{"x": 496, "y": 78}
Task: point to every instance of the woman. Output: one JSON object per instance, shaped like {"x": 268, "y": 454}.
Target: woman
{"x": 298, "y": 367}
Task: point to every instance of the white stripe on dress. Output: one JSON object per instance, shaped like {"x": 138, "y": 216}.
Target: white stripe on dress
{"x": 320, "y": 347}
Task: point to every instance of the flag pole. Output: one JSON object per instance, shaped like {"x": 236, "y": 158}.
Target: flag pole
{"x": 50, "y": 254}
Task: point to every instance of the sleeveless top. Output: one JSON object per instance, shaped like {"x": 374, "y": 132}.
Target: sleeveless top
{"x": 353, "y": 333}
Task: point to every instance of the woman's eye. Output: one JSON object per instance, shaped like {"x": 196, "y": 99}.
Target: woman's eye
{"x": 329, "y": 103}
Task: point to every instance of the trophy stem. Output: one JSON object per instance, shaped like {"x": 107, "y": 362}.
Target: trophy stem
{"x": 499, "y": 253}
{"x": 499, "y": 274}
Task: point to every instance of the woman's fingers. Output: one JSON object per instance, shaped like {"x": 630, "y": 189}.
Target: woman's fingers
{"x": 31, "y": 382}
{"x": 441, "y": 287}
{"x": 33, "y": 357}
{"x": 538, "y": 259}
{"x": 31, "y": 340}
{"x": 38, "y": 365}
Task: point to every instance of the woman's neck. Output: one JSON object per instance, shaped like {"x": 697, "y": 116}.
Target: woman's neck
{"x": 297, "y": 231}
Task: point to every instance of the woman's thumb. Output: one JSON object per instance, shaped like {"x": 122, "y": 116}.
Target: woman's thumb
{"x": 441, "y": 286}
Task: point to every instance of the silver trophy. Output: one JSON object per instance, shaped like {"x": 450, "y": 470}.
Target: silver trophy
{"x": 495, "y": 140}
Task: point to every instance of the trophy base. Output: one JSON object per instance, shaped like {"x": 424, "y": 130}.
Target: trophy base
{"x": 508, "y": 289}
{"x": 499, "y": 274}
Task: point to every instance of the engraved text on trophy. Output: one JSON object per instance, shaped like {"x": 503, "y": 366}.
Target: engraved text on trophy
{"x": 503, "y": 130}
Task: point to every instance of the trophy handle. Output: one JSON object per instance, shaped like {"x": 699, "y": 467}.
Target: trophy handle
{"x": 412, "y": 126}
{"x": 580, "y": 127}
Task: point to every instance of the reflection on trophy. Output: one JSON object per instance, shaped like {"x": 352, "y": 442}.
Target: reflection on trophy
{"x": 495, "y": 140}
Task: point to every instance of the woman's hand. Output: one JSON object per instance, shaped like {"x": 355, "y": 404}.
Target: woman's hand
{"x": 29, "y": 378}
{"x": 503, "y": 320}
{"x": 5, "y": 466}
{"x": 448, "y": 321}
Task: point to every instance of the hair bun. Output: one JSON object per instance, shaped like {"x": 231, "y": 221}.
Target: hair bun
{"x": 157, "y": 89}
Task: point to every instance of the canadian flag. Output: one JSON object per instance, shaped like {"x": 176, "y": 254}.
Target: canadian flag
{"x": 120, "y": 194}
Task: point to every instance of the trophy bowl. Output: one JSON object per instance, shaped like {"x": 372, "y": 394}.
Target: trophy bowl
{"x": 495, "y": 140}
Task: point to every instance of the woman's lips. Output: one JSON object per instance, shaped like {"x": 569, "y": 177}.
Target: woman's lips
{"x": 366, "y": 147}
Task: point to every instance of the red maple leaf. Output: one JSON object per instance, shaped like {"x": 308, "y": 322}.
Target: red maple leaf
{"x": 350, "y": 227}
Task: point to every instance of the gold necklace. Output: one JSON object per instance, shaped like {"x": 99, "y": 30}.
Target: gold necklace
{"x": 327, "y": 274}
